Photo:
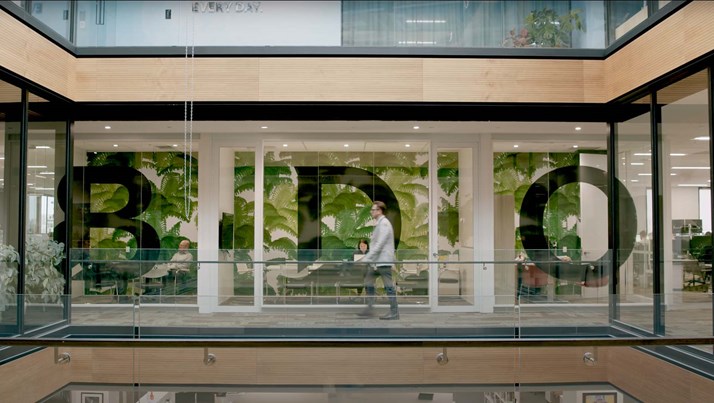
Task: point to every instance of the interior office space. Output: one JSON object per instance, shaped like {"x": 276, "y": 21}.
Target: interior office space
{"x": 540, "y": 188}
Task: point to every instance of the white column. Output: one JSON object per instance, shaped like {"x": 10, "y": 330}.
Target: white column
{"x": 208, "y": 216}
{"x": 484, "y": 224}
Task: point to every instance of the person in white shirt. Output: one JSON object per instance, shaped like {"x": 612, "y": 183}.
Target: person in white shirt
{"x": 180, "y": 261}
{"x": 381, "y": 255}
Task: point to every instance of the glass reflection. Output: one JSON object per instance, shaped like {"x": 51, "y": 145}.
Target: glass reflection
{"x": 634, "y": 171}
{"x": 686, "y": 186}
{"x": 10, "y": 118}
{"x": 45, "y": 247}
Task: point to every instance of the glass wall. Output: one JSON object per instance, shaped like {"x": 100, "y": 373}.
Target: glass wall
{"x": 55, "y": 14}
{"x": 473, "y": 24}
{"x": 10, "y": 118}
{"x": 455, "y": 226}
{"x": 634, "y": 171}
{"x": 550, "y": 215}
{"x": 134, "y": 204}
{"x": 686, "y": 190}
{"x": 45, "y": 249}
{"x": 317, "y": 200}
{"x": 579, "y": 24}
{"x": 236, "y": 233}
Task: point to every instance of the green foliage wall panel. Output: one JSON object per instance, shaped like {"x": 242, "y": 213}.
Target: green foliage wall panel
{"x": 345, "y": 210}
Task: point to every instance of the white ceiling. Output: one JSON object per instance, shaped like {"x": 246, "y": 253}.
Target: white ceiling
{"x": 392, "y": 136}
{"x": 332, "y": 135}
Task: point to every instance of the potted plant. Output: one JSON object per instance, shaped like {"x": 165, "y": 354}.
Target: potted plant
{"x": 42, "y": 279}
{"x": 8, "y": 275}
{"x": 545, "y": 29}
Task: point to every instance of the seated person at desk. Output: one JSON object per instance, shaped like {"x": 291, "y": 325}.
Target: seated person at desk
{"x": 362, "y": 249}
{"x": 179, "y": 263}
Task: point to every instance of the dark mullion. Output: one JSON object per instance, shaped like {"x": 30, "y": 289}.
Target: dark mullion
{"x": 22, "y": 206}
{"x": 710, "y": 85}
{"x": 613, "y": 227}
{"x": 657, "y": 217}
{"x": 69, "y": 144}
{"x": 72, "y": 32}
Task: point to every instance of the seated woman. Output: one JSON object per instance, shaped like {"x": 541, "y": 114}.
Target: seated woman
{"x": 362, "y": 249}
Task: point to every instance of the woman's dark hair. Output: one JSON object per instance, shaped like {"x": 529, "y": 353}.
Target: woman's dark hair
{"x": 362, "y": 241}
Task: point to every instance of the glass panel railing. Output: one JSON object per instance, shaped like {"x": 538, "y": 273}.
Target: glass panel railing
{"x": 528, "y": 293}
{"x": 687, "y": 302}
{"x": 41, "y": 310}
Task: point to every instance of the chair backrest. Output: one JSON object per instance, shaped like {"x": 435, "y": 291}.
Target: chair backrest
{"x": 692, "y": 267}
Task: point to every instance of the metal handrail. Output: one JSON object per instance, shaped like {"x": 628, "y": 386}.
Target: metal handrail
{"x": 292, "y": 262}
{"x": 356, "y": 342}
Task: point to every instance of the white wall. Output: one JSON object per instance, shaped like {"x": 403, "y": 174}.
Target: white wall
{"x": 685, "y": 203}
{"x": 592, "y": 228}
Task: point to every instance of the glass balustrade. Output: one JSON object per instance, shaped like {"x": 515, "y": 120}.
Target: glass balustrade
{"x": 547, "y": 294}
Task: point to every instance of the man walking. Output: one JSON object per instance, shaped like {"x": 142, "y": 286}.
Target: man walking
{"x": 381, "y": 254}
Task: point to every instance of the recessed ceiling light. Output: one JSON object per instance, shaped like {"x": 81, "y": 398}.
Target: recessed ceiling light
{"x": 693, "y": 185}
{"x": 263, "y": 127}
{"x": 673, "y": 174}
{"x": 634, "y": 180}
{"x": 578, "y": 128}
{"x": 347, "y": 145}
{"x": 174, "y": 145}
{"x": 285, "y": 145}
{"x": 407, "y": 145}
{"x": 47, "y": 173}
{"x": 107, "y": 127}
{"x": 575, "y": 146}
{"x": 642, "y": 154}
{"x": 644, "y": 174}
{"x": 694, "y": 168}
{"x": 701, "y": 138}
{"x": 637, "y": 163}
{"x": 677, "y": 154}
{"x": 37, "y": 166}
{"x": 416, "y": 127}
{"x": 115, "y": 145}
{"x": 515, "y": 146}
{"x": 41, "y": 147}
